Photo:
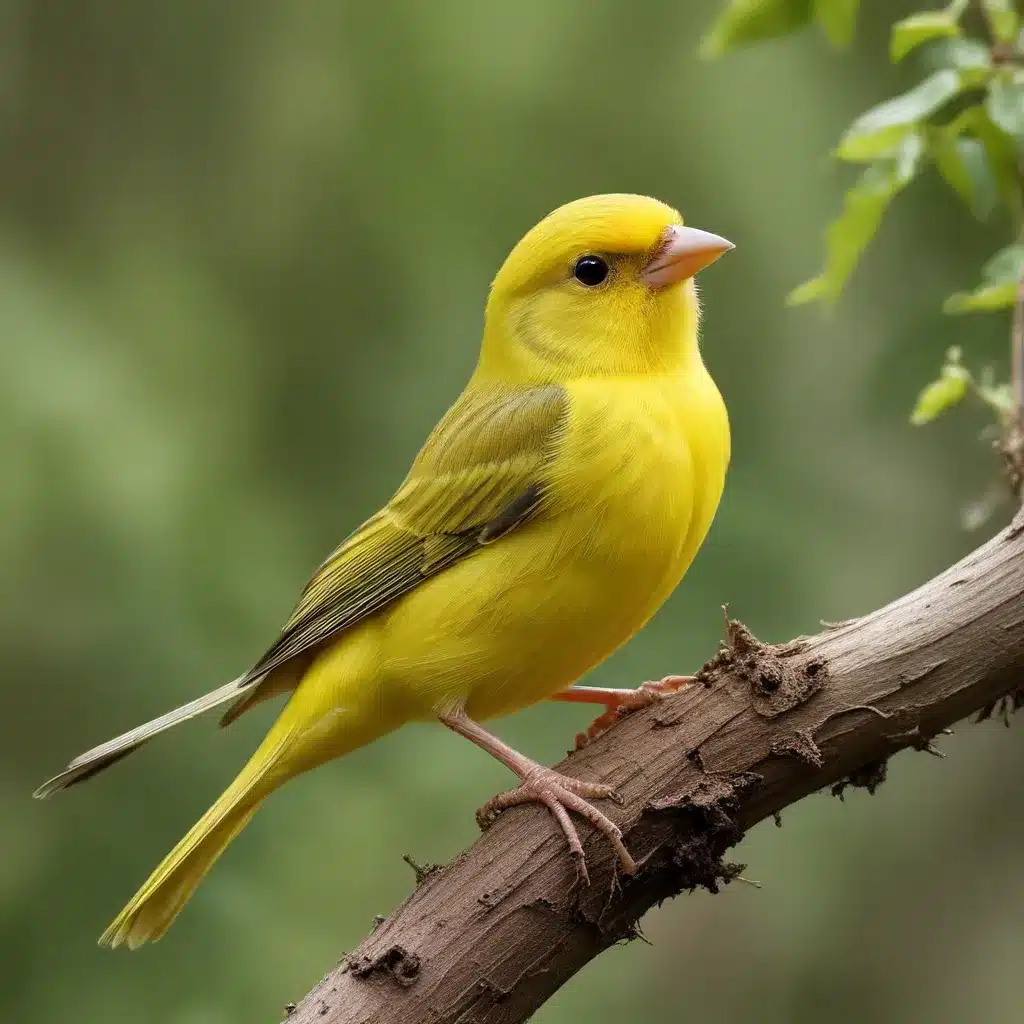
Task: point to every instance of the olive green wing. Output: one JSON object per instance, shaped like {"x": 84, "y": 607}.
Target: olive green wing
{"x": 482, "y": 473}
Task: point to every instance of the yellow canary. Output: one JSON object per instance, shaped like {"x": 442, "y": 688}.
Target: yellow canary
{"x": 550, "y": 513}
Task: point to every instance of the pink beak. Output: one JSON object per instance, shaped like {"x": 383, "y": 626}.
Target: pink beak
{"x": 681, "y": 253}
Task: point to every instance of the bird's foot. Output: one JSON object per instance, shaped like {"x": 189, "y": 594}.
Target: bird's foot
{"x": 622, "y": 702}
{"x": 561, "y": 794}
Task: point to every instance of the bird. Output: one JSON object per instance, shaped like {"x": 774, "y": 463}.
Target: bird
{"x": 550, "y": 513}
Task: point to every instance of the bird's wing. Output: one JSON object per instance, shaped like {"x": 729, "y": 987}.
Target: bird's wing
{"x": 482, "y": 472}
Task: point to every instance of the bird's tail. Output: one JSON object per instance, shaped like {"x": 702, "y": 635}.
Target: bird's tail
{"x": 152, "y": 909}
{"x": 92, "y": 761}
{"x": 332, "y": 712}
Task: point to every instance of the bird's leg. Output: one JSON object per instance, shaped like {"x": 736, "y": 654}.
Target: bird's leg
{"x": 559, "y": 793}
{"x": 619, "y": 702}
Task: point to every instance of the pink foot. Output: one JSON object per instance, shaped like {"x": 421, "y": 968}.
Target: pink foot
{"x": 561, "y": 794}
{"x": 622, "y": 702}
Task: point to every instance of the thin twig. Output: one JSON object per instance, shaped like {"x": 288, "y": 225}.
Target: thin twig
{"x": 1017, "y": 356}
{"x": 1011, "y": 441}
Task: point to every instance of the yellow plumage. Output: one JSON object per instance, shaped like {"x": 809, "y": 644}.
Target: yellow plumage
{"x": 550, "y": 513}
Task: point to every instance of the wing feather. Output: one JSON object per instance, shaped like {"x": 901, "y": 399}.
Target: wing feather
{"x": 481, "y": 474}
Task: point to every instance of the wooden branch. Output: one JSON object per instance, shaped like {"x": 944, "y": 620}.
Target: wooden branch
{"x": 489, "y": 937}
{"x": 1011, "y": 441}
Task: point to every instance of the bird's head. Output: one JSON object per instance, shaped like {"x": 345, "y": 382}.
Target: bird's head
{"x": 603, "y": 285}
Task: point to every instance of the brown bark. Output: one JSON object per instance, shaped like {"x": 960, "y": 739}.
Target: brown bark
{"x": 490, "y": 936}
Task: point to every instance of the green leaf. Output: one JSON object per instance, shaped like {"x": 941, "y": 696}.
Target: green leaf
{"x": 1006, "y": 265}
{"x": 963, "y": 164}
{"x": 998, "y": 397}
{"x": 1000, "y": 153}
{"x": 1005, "y": 106}
{"x": 750, "y": 21}
{"x": 941, "y": 394}
{"x": 877, "y": 132}
{"x": 848, "y": 235}
{"x": 967, "y": 56}
{"x": 1001, "y": 278}
{"x": 920, "y": 28}
{"x": 1003, "y": 20}
{"x": 838, "y": 18}
{"x": 986, "y": 299}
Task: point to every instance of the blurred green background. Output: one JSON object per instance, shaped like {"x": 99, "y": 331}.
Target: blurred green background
{"x": 244, "y": 249}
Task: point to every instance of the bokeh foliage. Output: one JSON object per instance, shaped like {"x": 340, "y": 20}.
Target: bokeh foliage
{"x": 965, "y": 118}
{"x": 244, "y": 253}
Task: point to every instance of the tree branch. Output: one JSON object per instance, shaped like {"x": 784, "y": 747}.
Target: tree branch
{"x": 489, "y": 937}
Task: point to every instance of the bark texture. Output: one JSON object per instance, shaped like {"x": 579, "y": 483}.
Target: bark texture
{"x": 490, "y": 936}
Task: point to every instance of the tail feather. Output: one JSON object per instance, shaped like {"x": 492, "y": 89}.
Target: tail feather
{"x": 92, "y": 761}
{"x": 281, "y": 680}
{"x": 332, "y": 712}
{"x": 161, "y": 897}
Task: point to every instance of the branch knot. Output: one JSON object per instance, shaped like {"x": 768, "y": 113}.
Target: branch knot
{"x": 779, "y": 681}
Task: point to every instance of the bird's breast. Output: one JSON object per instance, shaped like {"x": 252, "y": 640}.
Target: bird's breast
{"x": 632, "y": 483}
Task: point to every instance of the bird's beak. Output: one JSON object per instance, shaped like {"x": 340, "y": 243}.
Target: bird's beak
{"x": 680, "y": 254}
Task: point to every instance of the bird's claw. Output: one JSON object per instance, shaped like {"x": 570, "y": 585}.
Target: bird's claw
{"x": 635, "y": 700}
{"x": 561, "y": 794}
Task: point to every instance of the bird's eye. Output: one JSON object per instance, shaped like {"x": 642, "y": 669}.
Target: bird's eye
{"x": 590, "y": 270}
